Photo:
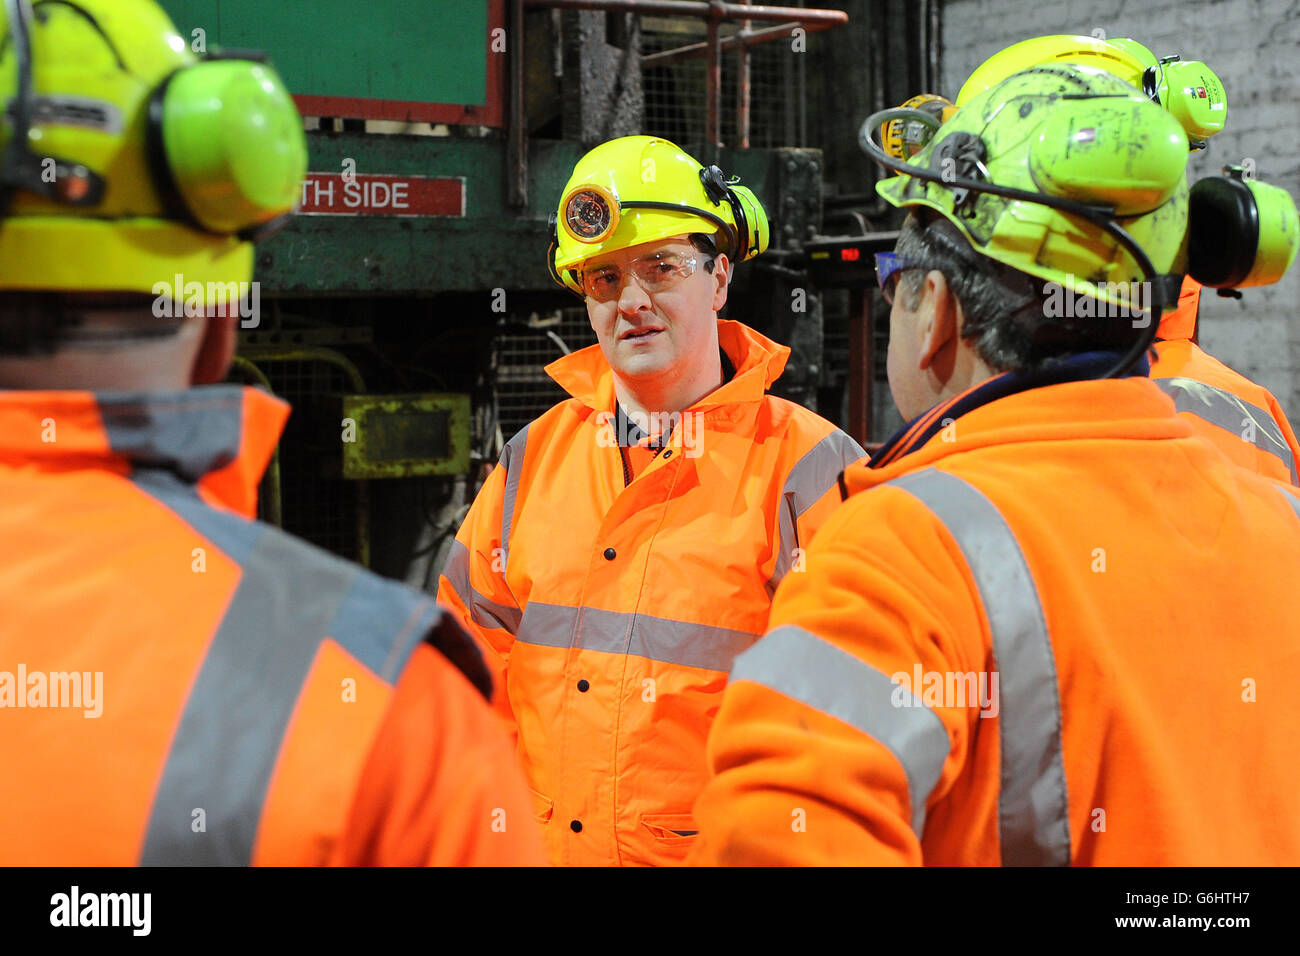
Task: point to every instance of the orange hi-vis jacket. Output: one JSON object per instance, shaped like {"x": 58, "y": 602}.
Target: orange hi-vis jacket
{"x": 613, "y": 607}
{"x": 180, "y": 684}
{"x": 1061, "y": 629}
{"x": 1243, "y": 419}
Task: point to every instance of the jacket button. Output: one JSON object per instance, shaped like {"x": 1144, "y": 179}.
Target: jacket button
{"x": 583, "y": 687}
{"x": 668, "y": 453}
{"x": 610, "y": 554}
{"x": 575, "y": 826}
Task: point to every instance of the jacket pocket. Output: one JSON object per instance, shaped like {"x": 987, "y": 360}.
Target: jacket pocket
{"x": 670, "y": 829}
{"x": 543, "y": 807}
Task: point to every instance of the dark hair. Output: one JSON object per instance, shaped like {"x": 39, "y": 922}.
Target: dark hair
{"x": 40, "y": 323}
{"x": 705, "y": 244}
{"x": 1007, "y": 320}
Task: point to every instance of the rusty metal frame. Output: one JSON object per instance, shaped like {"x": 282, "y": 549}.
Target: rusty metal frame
{"x": 716, "y": 12}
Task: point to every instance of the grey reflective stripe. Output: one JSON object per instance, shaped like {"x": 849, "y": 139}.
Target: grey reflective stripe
{"x": 803, "y": 667}
{"x": 612, "y": 632}
{"x": 1293, "y": 502}
{"x": 192, "y": 433}
{"x": 230, "y": 734}
{"x": 381, "y": 622}
{"x": 513, "y": 453}
{"x": 1229, "y": 412}
{"x": 482, "y": 611}
{"x": 1033, "y": 803}
{"x": 289, "y": 598}
{"x": 809, "y": 479}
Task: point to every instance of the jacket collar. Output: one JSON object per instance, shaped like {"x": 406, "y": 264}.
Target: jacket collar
{"x": 218, "y": 437}
{"x": 920, "y": 430}
{"x": 1181, "y": 323}
{"x": 758, "y": 361}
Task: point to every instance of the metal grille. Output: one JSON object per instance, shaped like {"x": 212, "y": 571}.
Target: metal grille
{"x": 523, "y": 389}
{"x": 316, "y": 506}
{"x": 675, "y": 105}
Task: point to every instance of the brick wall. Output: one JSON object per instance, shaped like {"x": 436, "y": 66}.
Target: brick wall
{"x": 1254, "y": 46}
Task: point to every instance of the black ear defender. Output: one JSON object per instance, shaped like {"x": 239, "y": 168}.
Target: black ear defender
{"x": 1240, "y": 232}
{"x": 718, "y": 189}
{"x": 1222, "y": 231}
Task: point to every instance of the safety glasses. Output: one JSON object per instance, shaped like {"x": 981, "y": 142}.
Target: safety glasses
{"x": 888, "y": 268}
{"x": 655, "y": 273}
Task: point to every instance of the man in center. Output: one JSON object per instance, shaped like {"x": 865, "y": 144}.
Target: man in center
{"x": 627, "y": 547}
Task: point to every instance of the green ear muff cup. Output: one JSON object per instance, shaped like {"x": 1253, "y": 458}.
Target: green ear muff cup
{"x": 1279, "y": 233}
{"x": 1123, "y": 152}
{"x": 751, "y": 213}
{"x": 233, "y": 142}
{"x": 1194, "y": 96}
{"x": 1222, "y": 232}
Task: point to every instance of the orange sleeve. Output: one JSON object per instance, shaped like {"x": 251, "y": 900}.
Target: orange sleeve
{"x": 441, "y": 786}
{"x": 817, "y": 755}
{"x": 473, "y": 590}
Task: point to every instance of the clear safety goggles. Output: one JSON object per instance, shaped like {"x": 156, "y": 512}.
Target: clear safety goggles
{"x": 655, "y": 273}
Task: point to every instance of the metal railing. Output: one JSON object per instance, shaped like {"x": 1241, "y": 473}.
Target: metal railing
{"x": 715, "y": 13}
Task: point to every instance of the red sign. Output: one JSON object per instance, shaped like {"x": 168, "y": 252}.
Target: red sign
{"x": 357, "y": 194}
{"x": 850, "y": 254}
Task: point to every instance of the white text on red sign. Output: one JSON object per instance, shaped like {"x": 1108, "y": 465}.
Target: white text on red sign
{"x": 331, "y": 194}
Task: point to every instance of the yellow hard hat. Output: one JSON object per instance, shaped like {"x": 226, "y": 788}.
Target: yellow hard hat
{"x": 902, "y": 139}
{"x": 639, "y": 189}
{"x": 1072, "y": 133}
{"x": 1188, "y": 89}
{"x": 128, "y": 159}
{"x": 1044, "y": 51}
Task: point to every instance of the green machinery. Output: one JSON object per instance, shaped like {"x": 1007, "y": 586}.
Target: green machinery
{"x": 420, "y": 249}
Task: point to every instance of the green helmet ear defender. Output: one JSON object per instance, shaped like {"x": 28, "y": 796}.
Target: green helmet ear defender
{"x": 1191, "y": 92}
{"x": 225, "y": 143}
{"x": 1240, "y": 232}
{"x": 226, "y": 146}
{"x": 752, "y": 230}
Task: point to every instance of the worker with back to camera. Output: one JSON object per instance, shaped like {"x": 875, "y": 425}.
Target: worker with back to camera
{"x": 183, "y": 685}
{"x": 628, "y": 544}
{"x": 995, "y": 663}
{"x": 1241, "y": 417}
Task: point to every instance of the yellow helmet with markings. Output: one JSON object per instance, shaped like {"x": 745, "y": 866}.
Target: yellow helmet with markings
{"x": 639, "y": 189}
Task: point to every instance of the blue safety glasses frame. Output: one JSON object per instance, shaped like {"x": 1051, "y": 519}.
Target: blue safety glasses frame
{"x": 889, "y": 266}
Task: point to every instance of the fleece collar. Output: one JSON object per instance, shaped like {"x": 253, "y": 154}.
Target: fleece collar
{"x": 757, "y": 359}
